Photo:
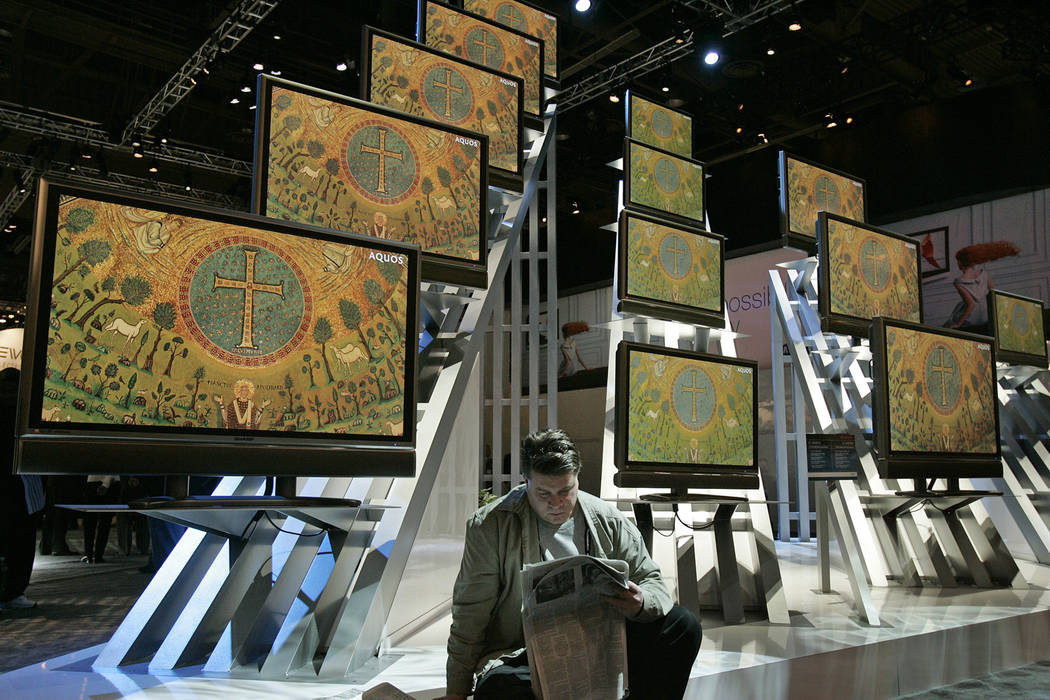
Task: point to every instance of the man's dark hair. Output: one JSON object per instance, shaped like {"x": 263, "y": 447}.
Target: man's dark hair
{"x": 550, "y": 452}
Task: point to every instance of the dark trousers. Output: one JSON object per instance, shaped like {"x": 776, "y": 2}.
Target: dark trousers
{"x": 660, "y": 655}
{"x": 17, "y": 541}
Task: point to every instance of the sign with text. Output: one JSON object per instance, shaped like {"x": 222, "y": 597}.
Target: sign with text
{"x": 831, "y": 456}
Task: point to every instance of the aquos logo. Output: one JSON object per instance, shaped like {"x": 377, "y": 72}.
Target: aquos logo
{"x": 388, "y": 257}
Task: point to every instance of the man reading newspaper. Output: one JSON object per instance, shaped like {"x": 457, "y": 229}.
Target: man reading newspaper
{"x": 549, "y": 518}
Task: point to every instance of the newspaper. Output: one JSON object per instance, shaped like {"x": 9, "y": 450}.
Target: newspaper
{"x": 577, "y": 644}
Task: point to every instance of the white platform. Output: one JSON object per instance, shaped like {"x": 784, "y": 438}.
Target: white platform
{"x": 929, "y": 637}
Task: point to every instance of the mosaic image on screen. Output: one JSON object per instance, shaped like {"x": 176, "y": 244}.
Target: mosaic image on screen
{"x": 161, "y": 319}
{"x": 689, "y": 411}
{"x": 871, "y": 274}
{"x": 672, "y": 265}
{"x": 350, "y": 169}
{"x": 811, "y": 189}
{"x": 425, "y": 84}
{"x": 941, "y": 393}
{"x": 664, "y": 182}
{"x": 490, "y": 45}
{"x": 524, "y": 18}
{"x": 1019, "y": 325}
{"x": 658, "y": 126}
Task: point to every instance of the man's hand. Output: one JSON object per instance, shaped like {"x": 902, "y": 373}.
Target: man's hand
{"x": 628, "y": 602}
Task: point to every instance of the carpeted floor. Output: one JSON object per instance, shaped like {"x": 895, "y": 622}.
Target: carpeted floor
{"x": 1031, "y": 682}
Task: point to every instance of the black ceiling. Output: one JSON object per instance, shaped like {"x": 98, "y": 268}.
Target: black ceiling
{"x": 919, "y": 135}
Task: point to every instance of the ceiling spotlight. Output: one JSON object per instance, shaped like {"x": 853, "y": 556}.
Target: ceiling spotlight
{"x": 275, "y": 72}
{"x": 770, "y": 51}
{"x": 544, "y": 220}
{"x": 251, "y": 106}
{"x": 795, "y": 26}
{"x": 153, "y": 167}
{"x": 711, "y": 57}
{"x": 235, "y": 101}
{"x": 136, "y": 150}
{"x": 740, "y": 106}
{"x": 665, "y": 89}
{"x": 614, "y": 98}
{"x": 72, "y": 167}
{"x": 849, "y": 120}
{"x": 22, "y": 190}
{"x": 582, "y": 5}
{"x": 257, "y": 66}
{"x": 246, "y": 89}
{"x": 276, "y": 37}
{"x": 762, "y": 138}
{"x": 136, "y": 143}
{"x": 740, "y": 130}
{"x": 193, "y": 81}
{"x": 830, "y": 122}
{"x": 968, "y": 82}
{"x": 341, "y": 66}
{"x": 575, "y": 207}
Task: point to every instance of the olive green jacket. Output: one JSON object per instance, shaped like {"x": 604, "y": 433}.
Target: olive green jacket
{"x": 486, "y": 600}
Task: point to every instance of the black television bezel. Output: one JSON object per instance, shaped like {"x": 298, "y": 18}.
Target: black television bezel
{"x": 627, "y": 142}
{"x": 800, "y": 239}
{"x": 678, "y": 475}
{"x": 832, "y": 322}
{"x": 640, "y": 94}
{"x": 658, "y": 308}
{"x": 534, "y": 120}
{"x": 46, "y": 447}
{"x": 435, "y": 267}
{"x": 555, "y": 78}
{"x": 1016, "y": 357}
{"x": 910, "y": 464}
{"x": 499, "y": 177}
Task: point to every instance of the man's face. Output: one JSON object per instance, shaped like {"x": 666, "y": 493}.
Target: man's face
{"x": 553, "y": 497}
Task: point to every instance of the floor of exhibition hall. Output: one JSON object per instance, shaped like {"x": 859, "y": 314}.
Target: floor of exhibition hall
{"x": 929, "y": 637}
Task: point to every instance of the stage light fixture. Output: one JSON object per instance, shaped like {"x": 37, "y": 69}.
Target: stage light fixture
{"x": 614, "y": 98}
{"x": 235, "y": 101}
{"x": 665, "y": 89}
{"x": 341, "y": 66}
{"x": 762, "y": 138}
{"x": 771, "y": 51}
{"x": 795, "y": 26}
{"x": 136, "y": 151}
{"x": 22, "y": 190}
{"x": 711, "y": 57}
{"x": 153, "y": 167}
{"x": 257, "y": 66}
{"x": 849, "y": 120}
{"x": 275, "y": 72}
{"x": 829, "y": 121}
{"x": 575, "y": 207}
{"x": 740, "y": 130}
{"x": 582, "y": 5}
{"x": 276, "y": 37}
{"x": 245, "y": 88}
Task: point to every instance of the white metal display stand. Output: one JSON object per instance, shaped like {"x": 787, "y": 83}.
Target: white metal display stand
{"x": 882, "y": 536}
{"x": 274, "y": 599}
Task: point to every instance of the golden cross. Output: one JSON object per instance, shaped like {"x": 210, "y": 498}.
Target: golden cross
{"x": 676, "y": 251}
{"x": 484, "y": 45}
{"x": 943, "y": 370}
{"x": 694, "y": 390}
{"x": 250, "y": 287}
{"x": 825, "y": 193}
{"x": 383, "y": 155}
{"x": 875, "y": 258}
{"x": 449, "y": 87}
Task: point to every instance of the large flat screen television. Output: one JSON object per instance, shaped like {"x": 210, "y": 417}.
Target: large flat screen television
{"x": 935, "y": 410}
{"x": 349, "y": 165}
{"x": 1018, "y": 324}
{"x": 168, "y": 338}
{"x": 654, "y": 124}
{"x": 670, "y": 271}
{"x": 525, "y": 17}
{"x": 662, "y": 182}
{"x": 416, "y": 79}
{"x": 865, "y": 272}
{"x": 807, "y": 188}
{"x": 685, "y": 419}
{"x": 483, "y": 41}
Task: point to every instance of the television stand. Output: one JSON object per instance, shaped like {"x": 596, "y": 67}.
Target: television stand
{"x": 951, "y": 490}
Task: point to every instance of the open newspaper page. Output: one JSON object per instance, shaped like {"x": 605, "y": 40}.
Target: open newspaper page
{"x": 577, "y": 644}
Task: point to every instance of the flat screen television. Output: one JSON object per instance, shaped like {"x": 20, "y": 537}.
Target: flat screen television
{"x": 525, "y": 17}
{"x": 865, "y": 272}
{"x": 176, "y": 339}
{"x": 483, "y": 41}
{"x": 807, "y": 188}
{"x": 1018, "y": 322}
{"x": 685, "y": 419}
{"x": 935, "y": 411}
{"x": 662, "y": 182}
{"x": 654, "y": 124}
{"x": 670, "y": 271}
{"x": 333, "y": 161}
{"x": 416, "y": 79}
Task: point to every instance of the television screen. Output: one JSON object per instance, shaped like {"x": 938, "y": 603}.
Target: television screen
{"x": 163, "y": 338}
{"x": 687, "y": 414}
{"x": 653, "y": 124}
{"x": 935, "y": 410}
{"x": 663, "y": 182}
{"x": 415, "y": 79}
{"x": 480, "y": 40}
{"x": 865, "y": 272}
{"x": 525, "y": 18}
{"x": 807, "y": 188}
{"x": 349, "y": 165}
{"x": 670, "y": 271}
{"x": 1018, "y": 323}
